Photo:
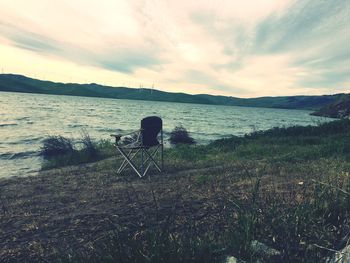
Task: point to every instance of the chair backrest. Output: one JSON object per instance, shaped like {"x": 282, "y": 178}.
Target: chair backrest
{"x": 150, "y": 128}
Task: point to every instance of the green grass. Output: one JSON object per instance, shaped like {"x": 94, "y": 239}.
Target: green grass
{"x": 299, "y": 220}
{"x": 294, "y": 144}
{"x": 286, "y": 187}
{"x": 90, "y": 151}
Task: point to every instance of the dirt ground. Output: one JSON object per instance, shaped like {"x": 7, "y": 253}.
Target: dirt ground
{"x": 74, "y": 208}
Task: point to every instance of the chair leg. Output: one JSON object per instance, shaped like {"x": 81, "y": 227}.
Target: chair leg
{"x": 162, "y": 156}
{"x": 130, "y": 162}
{"x": 162, "y": 149}
{"x": 142, "y": 162}
{"x": 146, "y": 170}
{"x": 147, "y": 159}
{"x": 123, "y": 165}
{"x": 151, "y": 156}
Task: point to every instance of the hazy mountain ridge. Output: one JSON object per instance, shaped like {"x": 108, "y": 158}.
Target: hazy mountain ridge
{"x": 20, "y": 83}
{"x": 339, "y": 109}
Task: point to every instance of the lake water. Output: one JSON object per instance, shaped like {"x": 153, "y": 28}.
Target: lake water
{"x": 26, "y": 119}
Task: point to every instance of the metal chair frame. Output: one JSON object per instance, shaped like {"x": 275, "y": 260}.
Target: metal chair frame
{"x": 148, "y": 153}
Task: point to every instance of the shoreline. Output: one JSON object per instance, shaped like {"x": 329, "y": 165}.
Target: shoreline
{"x": 212, "y": 201}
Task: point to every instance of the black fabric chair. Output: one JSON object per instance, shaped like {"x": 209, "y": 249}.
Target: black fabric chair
{"x": 144, "y": 149}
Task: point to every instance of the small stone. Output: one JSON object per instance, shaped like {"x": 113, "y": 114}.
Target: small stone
{"x": 231, "y": 259}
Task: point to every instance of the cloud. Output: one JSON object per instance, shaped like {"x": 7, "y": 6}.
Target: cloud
{"x": 250, "y": 48}
{"x": 27, "y": 40}
{"x": 313, "y": 34}
{"x": 122, "y": 59}
{"x": 306, "y": 23}
{"x": 127, "y": 61}
{"x": 317, "y": 33}
{"x": 197, "y": 77}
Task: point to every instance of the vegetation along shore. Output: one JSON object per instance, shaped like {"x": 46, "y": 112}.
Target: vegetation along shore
{"x": 285, "y": 190}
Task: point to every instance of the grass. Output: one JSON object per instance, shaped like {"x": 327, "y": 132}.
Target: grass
{"x": 179, "y": 135}
{"x": 56, "y": 145}
{"x": 58, "y": 151}
{"x": 293, "y": 144}
{"x": 288, "y": 188}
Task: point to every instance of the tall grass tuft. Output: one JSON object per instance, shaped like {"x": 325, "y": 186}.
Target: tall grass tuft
{"x": 56, "y": 145}
{"x": 89, "y": 146}
{"x": 59, "y": 151}
{"x": 180, "y": 136}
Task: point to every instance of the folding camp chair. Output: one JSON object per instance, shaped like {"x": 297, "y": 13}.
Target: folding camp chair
{"x": 144, "y": 150}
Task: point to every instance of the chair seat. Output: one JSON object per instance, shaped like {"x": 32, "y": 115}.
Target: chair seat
{"x": 137, "y": 145}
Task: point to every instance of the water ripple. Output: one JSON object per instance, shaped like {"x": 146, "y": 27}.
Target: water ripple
{"x": 8, "y": 124}
{"x": 19, "y": 155}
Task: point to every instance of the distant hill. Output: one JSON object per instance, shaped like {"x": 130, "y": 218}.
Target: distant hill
{"x": 339, "y": 109}
{"x": 19, "y": 83}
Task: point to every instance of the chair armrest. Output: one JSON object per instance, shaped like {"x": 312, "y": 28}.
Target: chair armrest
{"x": 116, "y": 137}
{"x": 119, "y": 136}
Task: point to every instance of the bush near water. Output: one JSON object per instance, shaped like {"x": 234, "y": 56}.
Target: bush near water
{"x": 58, "y": 151}
{"x": 179, "y": 135}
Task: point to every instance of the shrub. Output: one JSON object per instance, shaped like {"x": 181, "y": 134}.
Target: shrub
{"x": 56, "y": 145}
{"x": 59, "y": 151}
{"x": 88, "y": 144}
{"x": 180, "y": 136}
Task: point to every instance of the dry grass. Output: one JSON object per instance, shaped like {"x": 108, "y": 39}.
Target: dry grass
{"x": 291, "y": 193}
{"x": 87, "y": 212}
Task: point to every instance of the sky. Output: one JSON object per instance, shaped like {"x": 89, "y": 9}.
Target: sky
{"x": 237, "y": 48}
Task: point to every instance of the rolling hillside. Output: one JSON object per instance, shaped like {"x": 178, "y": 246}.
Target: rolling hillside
{"x": 19, "y": 83}
{"x": 339, "y": 109}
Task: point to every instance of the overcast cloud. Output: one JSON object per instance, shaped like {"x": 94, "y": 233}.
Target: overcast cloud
{"x": 249, "y": 49}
